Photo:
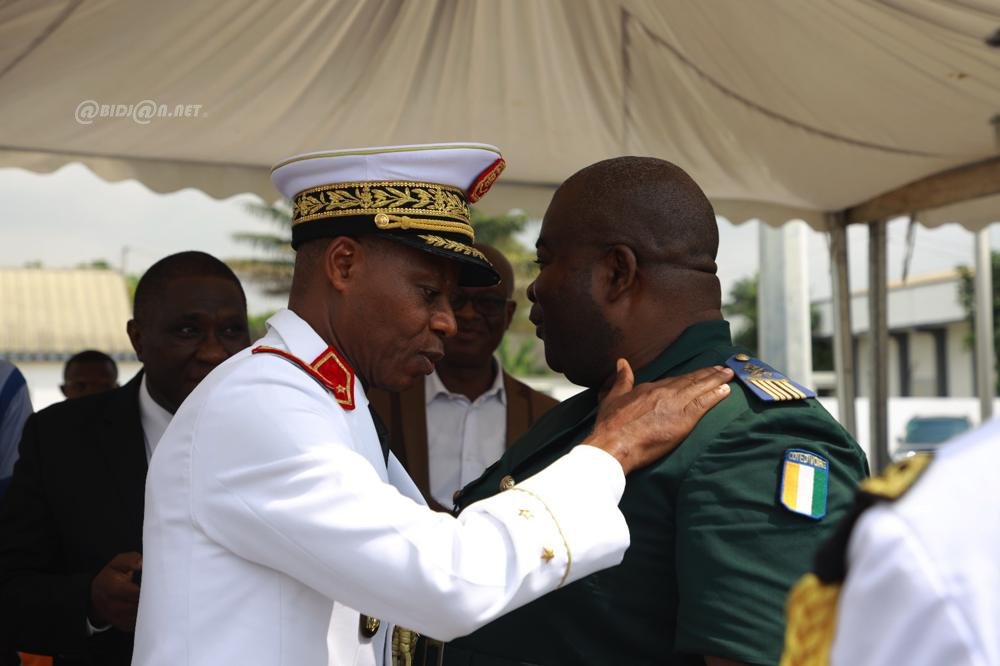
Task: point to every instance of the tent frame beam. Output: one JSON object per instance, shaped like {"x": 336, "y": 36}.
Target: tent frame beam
{"x": 969, "y": 181}
{"x": 952, "y": 186}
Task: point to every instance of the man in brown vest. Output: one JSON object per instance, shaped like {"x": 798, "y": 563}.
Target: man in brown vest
{"x": 450, "y": 426}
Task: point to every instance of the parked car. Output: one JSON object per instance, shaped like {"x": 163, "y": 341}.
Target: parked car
{"x": 925, "y": 433}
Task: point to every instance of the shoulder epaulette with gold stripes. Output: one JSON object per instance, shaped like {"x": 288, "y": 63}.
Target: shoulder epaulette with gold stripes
{"x": 765, "y": 382}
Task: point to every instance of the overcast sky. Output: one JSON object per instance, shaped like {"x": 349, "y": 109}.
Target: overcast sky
{"x": 72, "y": 216}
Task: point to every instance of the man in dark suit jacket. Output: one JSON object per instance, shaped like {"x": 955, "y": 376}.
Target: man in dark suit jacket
{"x": 71, "y": 523}
{"x": 476, "y": 409}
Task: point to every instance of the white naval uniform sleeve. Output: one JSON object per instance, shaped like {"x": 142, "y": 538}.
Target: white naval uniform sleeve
{"x": 895, "y": 606}
{"x": 275, "y": 480}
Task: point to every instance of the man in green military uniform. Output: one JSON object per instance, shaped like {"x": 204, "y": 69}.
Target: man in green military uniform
{"x": 720, "y": 528}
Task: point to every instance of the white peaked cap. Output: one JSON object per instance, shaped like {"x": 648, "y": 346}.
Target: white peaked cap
{"x": 418, "y": 195}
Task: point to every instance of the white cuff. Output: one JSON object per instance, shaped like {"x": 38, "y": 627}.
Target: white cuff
{"x": 577, "y": 497}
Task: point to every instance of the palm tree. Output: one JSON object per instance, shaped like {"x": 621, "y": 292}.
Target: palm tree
{"x": 272, "y": 268}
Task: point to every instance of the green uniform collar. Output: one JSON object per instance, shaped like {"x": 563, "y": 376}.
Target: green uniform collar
{"x": 693, "y": 341}
{"x": 569, "y": 416}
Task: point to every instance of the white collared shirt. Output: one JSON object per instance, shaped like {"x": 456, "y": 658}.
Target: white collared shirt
{"x": 463, "y": 437}
{"x": 153, "y": 417}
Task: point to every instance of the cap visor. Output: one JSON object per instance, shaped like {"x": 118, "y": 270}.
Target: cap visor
{"x": 473, "y": 271}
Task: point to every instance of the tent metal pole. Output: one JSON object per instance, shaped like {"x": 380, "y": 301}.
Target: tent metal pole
{"x": 878, "y": 331}
{"x": 985, "y": 361}
{"x": 843, "y": 337}
{"x": 783, "y": 335}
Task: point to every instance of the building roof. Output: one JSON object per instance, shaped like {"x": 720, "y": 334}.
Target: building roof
{"x": 54, "y": 313}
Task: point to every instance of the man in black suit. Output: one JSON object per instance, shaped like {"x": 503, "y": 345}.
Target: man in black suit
{"x": 71, "y": 523}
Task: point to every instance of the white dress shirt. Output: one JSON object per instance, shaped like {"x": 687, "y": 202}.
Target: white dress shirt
{"x": 463, "y": 437}
{"x": 154, "y": 418}
{"x": 923, "y": 583}
{"x": 270, "y": 508}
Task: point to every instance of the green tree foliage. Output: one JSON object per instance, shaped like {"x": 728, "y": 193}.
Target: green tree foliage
{"x": 270, "y": 267}
{"x": 95, "y": 264}
{"x": 967, "y": 297}
{"x": 257, "y": 325}
{"x": 741, "y": 310}
{"x": 131, "y": 282}
{"x": 520, "y": 352}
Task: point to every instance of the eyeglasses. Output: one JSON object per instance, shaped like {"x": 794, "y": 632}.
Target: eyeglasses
{"x": 484, "y": 304}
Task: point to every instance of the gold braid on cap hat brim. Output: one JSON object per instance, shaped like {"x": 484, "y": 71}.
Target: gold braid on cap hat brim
{"x": 395, "y": 204}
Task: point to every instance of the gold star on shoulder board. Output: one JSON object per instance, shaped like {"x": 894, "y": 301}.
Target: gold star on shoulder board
{"x": 525, "y": 513}
{"x": 547, "y": 554}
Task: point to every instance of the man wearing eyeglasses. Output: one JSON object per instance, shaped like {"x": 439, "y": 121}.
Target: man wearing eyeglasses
{"x": 461, "y": 418}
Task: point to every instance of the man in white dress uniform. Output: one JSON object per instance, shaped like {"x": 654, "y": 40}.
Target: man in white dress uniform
{"x": 911, "y": 577}
{"x": 923, "y": 583}
{"x": 272, "y": 501}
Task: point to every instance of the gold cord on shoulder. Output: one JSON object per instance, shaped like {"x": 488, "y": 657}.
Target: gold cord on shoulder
{"x": 897, "y": 478}
{"x": 404, "y": 646}
{"x": 812, "y": 622}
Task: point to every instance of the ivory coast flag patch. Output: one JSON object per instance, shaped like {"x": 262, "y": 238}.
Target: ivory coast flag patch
{"x": 804, "y": 480}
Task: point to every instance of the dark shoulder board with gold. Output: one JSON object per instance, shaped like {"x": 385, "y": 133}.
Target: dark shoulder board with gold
{"x": 812, "y": 603}
{"x": 764, "y": 381}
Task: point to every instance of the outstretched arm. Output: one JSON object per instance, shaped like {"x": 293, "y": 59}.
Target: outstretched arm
{"x": 302, "y": 501}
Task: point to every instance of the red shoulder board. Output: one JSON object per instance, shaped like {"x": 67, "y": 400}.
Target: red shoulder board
{"x": 485, "y": 181}
{"x": 328, "y": 369}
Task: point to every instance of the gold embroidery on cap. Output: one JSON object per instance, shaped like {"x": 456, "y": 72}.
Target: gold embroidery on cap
{"x": 388, "y": 197}
{"x": 454, "y": 246}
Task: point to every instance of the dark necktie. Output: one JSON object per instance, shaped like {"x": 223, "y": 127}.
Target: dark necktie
{"x": 383, "y": 433}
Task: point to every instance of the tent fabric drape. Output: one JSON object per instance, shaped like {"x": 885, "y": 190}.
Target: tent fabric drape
{"x": 790, "y": 108}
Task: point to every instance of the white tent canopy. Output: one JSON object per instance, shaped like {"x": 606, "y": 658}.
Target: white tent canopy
{"x": 834, "y": 111}
{"x": 806, "y": 107}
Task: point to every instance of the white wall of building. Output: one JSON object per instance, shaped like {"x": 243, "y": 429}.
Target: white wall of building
{"x": 922, "y": 304}
{"x": 960, "y": 360}
{"x": 923, "y": 366}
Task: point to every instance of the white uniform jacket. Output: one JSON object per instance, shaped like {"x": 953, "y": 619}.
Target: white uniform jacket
{"x": 269, "y": 507}
{"x": 923, "y": 583}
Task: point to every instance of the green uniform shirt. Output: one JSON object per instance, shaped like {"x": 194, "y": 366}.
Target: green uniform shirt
{"x": 713, "y": 553}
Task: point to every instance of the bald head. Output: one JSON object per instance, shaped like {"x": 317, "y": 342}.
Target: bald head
{"x": 650, "y": 205}
{"x": 627, "y": 253}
